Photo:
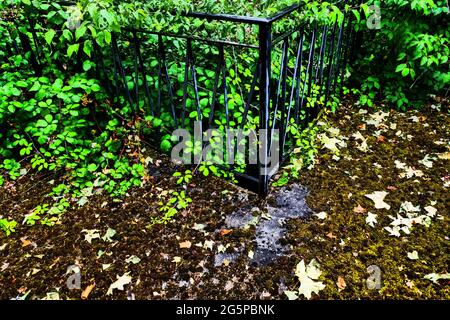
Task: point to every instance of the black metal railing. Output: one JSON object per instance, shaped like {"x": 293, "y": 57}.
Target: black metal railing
{"x": 278, "y": 81}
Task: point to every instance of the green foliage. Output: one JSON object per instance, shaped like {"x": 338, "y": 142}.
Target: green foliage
{"x": 7, "y": 226}
{"x": 61, "y": 121}
{"x": 176, "y": 201}
{"x": 183, "y": 178}
{"x": 408, "y": 57}
{"x": 305, "y": 149}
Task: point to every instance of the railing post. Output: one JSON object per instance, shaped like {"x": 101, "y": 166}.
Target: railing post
{"x": 265, "y": 59}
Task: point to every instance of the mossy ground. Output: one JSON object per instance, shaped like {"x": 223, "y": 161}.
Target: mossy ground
{"x": 36, "y": 258}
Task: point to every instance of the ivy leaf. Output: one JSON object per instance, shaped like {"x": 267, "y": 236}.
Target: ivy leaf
{"x": 321, "y": 215}
{"x": 413, "y": 255}
{"x": 41, "y": 123}
{"x": 80, "y": 32}
{"x": 87, "y": 48}
{"x": 193, "y": 114}
{"x": 307, "y": 276}
{"x": 378, "y": 198}
{"x": 87, "y": 65}
{"x": 92, "y": 167}
{"x": 166, "y": 145}
{"x": 119, "y": 283}
{"x": 73, "y": 48}
{"x": 107, "y": 37}
{"x": 371, "y": 219}
{"x": 400, "y": 67}
{"x": 357, "y": 15}
{"x": 365, "y": 8}
{"x": 95, "y": 87}
{"x": 405, "y": 72}
{"x": 133, "y": 259}
{"x": 36, "y": 86}
{"x": 21, "y": 84}
{"x": 434, "y": 277}
{"x": 49, "y": 35}
{"x": 91, "y": 235}
{"x": 48, "y": 118}
{"x": 292, "y": 295}
{"x": 110, "y": 233}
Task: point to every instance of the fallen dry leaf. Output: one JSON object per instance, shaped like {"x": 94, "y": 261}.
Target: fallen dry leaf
{"x": 176, "y": 259}
{"x": 381, "y": 139}
{"x": 119, "y": 283}
{"x": 444, "y": 156}
{"x": 391, "y": 188}
{"x": 378, "y": 198}
{"x": 341, "y": 283}
{"x": 410, "y": 284}
{"x": 22, "y": 290}
{"x": 359, "y": 209}
{"x": 362, "y": 126}
{"x": 185, "y": 244}
{"x": 25, "y": 242}
{"x": 87, "y": 291}
{"x": 331, "y": 235}
{"x": 224, "y": 232}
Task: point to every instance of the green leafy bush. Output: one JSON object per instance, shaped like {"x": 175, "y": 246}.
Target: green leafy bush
{"x": 408, "y": 57}
{"x": 61, "y": 120}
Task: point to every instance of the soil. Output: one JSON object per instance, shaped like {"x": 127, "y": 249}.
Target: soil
{"x": 201, "y": 255}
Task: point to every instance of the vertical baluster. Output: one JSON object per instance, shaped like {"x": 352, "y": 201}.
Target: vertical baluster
{"x": 14, "y": 43}
{"x": 299, "y": 77}
{"x": 163, "y": 66}
{"x": 225, "y": 93}
{"x": 319, "y": 71}
{"x": 185, "y": 86}
{"x": 250, "y": 95}
{"x": 136, "y": 72}
{"x": 295, "y": 82}
{"x": 26, "y": 46}
{"x": 116, "y": 76}
{"x": 310, "y": 82}
{"x": 265, "y": 56}
{"x": 338, "y": 57}
{"x": 160, "y": 67}
{"x": 307, "y": 73}
{"x": 346, "y": 50}
{"x": 194, "y": 80}
{"x": 100, "y": 68}
{"x": 282, "y": 101}
{"x": 142, "y": 67}
{"x": 330, "y": 63}
{"x": 214, "y": 93}
{"x": 122, "y": 72}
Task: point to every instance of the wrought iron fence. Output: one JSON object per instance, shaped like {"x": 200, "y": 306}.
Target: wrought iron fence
{"x": 278, "y": 82}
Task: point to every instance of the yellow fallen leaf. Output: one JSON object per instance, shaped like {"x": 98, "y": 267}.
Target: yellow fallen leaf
{"x": 224, "y": 232}
{"x": 176, "y": 259}
{"x": 185, "y": 244}
{"x": 25, "y": 242}
{"x": 87, "y": 291}
{"x": 341, "y": 283}
{"x": 444, "y": 156}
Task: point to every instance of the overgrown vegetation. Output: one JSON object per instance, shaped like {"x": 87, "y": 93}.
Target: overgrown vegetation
{"x": 57, "y": 114}
{"x": 83, "y": 95}
{"x": 407, "y": 56}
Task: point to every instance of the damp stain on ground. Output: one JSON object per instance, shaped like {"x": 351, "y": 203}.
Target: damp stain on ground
{"x": 270, "y": 227}
{"x": 229, "y": 244}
